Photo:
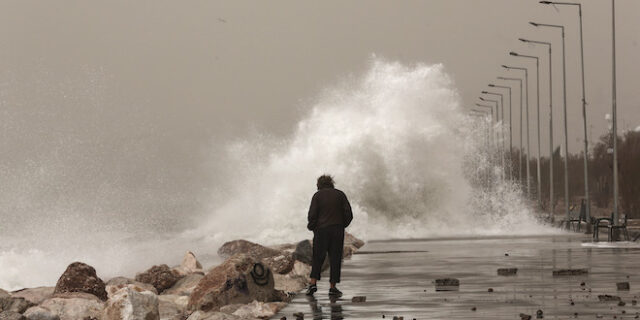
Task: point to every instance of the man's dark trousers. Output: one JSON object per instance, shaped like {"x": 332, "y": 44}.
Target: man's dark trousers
{"x": 328, "y": 239}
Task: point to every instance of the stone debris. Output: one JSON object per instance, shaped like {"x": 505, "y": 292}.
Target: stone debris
{"x": 490, "y": 290}
{"x": 607, "y": 298}
{"x": 623, "y": 286}
{"x": 507, "y": 271}
{"x": 570, "y": 272}
{"x": 299, "y": 315}
{"x": 358, "y": 299}
{"x": 525, "y": 316}
{"x": 447, "y": 284}
{"x": 539, "y": 314}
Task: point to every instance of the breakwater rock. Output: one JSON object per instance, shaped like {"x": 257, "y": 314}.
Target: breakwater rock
{"x": 253, "y": 282}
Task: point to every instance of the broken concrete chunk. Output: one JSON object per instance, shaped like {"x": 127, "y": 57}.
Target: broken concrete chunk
{"x": 623, "y": 286}
{"x": 607, "y": 298}
{"x": 447, "y": 284}
{"x": 570, "y": 272}
{"x": 359, "y": 299}
{"x": 507, "y": 271}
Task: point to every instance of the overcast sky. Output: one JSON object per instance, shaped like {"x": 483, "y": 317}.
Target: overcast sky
{"x": 136, "y": 92}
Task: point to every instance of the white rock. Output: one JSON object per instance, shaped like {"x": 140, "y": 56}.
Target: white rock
{"x": 74, "y": 308}
{"x": 289, "y": 282}
{"x": 171, "y": 306}
{"x": 256, "y": 309}
{"x": 40, "y": 313}
{"x": 189, "y": 265}
{"x": 131, "y": 303}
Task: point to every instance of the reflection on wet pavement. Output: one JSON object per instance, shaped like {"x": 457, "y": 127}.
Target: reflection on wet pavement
{"x": 401, "y": 283}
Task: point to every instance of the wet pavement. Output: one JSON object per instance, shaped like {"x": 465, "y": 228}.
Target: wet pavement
{"x": 401, "y": 284}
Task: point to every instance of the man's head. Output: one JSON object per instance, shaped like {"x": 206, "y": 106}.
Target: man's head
{"x": 325, "y": 181}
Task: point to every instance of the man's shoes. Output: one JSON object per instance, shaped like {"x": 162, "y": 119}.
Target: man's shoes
{"x": 311, "y": 289}
{"x": 334, "y": 292}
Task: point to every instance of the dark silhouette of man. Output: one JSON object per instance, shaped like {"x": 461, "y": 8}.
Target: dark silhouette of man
{"x": 329, "y": 214}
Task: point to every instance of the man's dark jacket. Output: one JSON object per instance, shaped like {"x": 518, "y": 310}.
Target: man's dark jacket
{"x": 329, "y": 207}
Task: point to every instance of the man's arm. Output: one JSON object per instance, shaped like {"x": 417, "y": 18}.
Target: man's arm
{"x": 313, "y": 214}
{"x": 347, "y": 214}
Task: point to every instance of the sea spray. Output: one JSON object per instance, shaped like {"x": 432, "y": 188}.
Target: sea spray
{"x": 399, "y": 144}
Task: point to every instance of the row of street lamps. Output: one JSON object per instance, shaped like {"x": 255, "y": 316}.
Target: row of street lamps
{"x": 524, "y": 103}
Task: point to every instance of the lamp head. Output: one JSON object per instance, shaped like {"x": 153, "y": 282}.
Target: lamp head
{"x": 481, "y": 98}
{"x": 506, "y": 67}
{"x": 513, "y": 54}
{"x": 485, "y": 92}
{"x": 501, "y": 78}
{"x": 491, "y": 85}
{"x": 533, "y": 24}
{"x": 523, "y": 40}
{"x": 546, "y": 2}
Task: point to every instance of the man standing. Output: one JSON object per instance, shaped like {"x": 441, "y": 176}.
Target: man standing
{"x": 329, "y": 214}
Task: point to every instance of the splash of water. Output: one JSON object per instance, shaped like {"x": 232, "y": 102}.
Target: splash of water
{"x": 397, "y": 142}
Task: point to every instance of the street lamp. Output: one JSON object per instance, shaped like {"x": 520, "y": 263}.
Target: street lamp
{"x": 584, "y": 107}
{"x": 510, "y": 126}
{"x": 492, "y": 117}
{"x": 538, "y": 116}
{"x": 614, "y": 114}
{"x": 510, "y": 138}
{"x": 496, "y": 118}
{"x": 526, "y": 104}
{"x": 500, "y": 127}
{"x": 566, "y": 138}
{"x": 551, "y": 195}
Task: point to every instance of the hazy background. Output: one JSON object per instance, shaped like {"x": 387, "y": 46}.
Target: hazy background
{"x": 120, "y": 107}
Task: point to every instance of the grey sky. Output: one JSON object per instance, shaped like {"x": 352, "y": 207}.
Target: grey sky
{"x": 130, "y": 97}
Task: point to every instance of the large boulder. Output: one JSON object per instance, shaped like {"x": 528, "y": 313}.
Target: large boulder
{"x": 295, "y": 280}
{"x": 240, "y": 279}
{"x": 160, "y": 277}
{"x": 131, "y": 302}
{"x": 247, "y": 247}
{"x": 304, "y": 252}
{"x": 280, "y": 261}
{"x": 189, "y": 265}
{"x": 114, "y": 284}
{"x": 80, "y": 277}
{"x": 185, "y": 286}
{"x": 34, "y": 295}
{"x": 76, "y": 307}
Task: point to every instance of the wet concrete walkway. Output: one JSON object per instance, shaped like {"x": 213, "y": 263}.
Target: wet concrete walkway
{"x": 401, "y": 284}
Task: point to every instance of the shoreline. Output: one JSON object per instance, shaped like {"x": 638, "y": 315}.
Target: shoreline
{"x": 251, "y": 282}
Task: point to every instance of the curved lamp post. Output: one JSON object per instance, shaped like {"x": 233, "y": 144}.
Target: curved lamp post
{"x": 584, "y": 107}
{"x": 526, "y": 105}
{"x": 566, "y": 138}
{"x": 538, "y": 116}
